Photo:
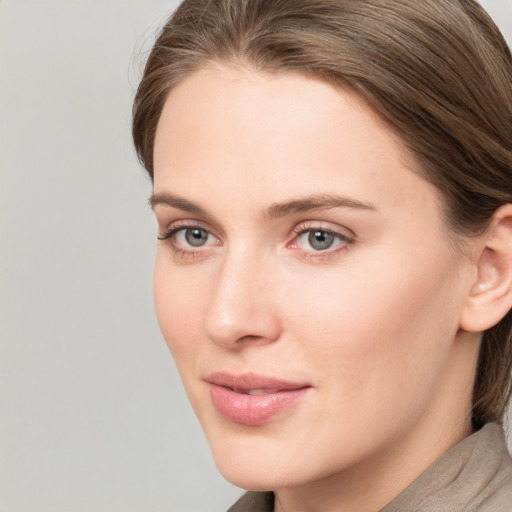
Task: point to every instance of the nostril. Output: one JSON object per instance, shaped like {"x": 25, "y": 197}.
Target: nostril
{"x": 248, "y": 338}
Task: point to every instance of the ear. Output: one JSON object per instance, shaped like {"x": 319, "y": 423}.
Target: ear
{"x": 490, "y": 297}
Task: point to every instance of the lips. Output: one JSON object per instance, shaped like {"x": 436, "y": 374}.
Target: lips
{"x": 253, "y": 400}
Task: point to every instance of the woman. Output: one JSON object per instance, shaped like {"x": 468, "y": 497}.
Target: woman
{"x": 333, "y": 189}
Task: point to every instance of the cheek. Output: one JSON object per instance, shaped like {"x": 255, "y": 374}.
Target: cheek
{"x": 178, "y": 307}
{"x": 379, "y": 334}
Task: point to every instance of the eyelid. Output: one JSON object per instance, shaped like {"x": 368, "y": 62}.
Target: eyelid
{"x": 175, "y": 226}
{"x": 168, "y": 216}
{"x": 328, "y": 227}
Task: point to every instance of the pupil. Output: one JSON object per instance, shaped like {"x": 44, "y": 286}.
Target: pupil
{"x": 196, "y": 237}
{"x": 320, "y": 240}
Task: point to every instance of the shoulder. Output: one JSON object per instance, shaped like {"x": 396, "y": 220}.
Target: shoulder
{"x": 474, "y": 476}
{"x": 254, "y": 501}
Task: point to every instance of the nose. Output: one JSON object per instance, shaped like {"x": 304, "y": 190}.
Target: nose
{"x": 242, "y": 305}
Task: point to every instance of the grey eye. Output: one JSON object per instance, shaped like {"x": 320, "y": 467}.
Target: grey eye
{"x": 321, "y": 240}
{"x": 196, "y": 237}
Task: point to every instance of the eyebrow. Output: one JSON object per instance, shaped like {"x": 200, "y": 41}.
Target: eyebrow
{"x": 175, "y": 202}
{"x": 315, "y": 202}
{"x": 275, "y": 210}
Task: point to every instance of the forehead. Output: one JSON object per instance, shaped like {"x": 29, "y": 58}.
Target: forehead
{"x": 273, "y": 106}
{"x": 247, "y": 133}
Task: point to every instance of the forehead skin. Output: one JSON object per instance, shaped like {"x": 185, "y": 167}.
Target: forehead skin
{"x": 298, "y": 117}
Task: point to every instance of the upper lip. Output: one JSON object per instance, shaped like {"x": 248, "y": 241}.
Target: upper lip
{"x": 250, "y": 381}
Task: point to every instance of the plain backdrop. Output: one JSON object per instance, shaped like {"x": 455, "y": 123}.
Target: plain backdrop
{"x": 93, "y": 415}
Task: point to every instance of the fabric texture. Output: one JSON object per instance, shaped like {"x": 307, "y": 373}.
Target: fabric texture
{"x": 474, "y": 476}
{"x": 254, "y": 501}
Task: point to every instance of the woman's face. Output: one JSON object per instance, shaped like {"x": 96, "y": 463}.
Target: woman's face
{"x": 305, "y": 283}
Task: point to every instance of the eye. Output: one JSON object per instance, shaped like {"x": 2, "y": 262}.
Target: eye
{"x": 184, "y": 239}
{"x": 320, "y": 240}
{"x": 194, "y": 237}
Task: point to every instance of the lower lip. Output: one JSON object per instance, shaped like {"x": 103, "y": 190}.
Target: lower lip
{"x": 253, "y": 410}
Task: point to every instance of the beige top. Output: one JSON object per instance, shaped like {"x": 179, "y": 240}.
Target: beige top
{"x": 475, "y": 475}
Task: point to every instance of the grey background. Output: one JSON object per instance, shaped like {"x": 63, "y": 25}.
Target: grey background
{"x": 93, "y": 415}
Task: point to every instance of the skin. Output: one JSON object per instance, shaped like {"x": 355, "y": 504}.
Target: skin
{"x": 372, "y": 324}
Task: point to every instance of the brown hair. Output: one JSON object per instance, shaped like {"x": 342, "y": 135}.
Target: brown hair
{"x": 438, "y": 71}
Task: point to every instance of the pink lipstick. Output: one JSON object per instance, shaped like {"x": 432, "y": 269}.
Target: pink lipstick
{"x": 251, "y": 399}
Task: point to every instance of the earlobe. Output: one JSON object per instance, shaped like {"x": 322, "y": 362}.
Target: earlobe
{"x": 490, "y": 297}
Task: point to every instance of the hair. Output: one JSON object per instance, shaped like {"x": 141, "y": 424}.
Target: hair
{"x": 438, "y": 71}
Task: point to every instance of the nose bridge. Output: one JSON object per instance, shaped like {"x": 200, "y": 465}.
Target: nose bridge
{"x": 241, "y": 306}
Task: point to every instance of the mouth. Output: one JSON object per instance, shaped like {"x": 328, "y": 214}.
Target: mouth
{"x": 255, "y": 392}
{"x": 253, "y": 400}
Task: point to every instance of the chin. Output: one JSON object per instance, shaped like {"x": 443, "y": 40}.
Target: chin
{"x": 250, "y": 482}
{"x": 257, "y": 477}
{"x": 247, "y": 459}
{"x": 261, "y": 459}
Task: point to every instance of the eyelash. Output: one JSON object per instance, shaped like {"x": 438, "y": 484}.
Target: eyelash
{"x": 169, "y": 237}
{"x": 344, "y": 241}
